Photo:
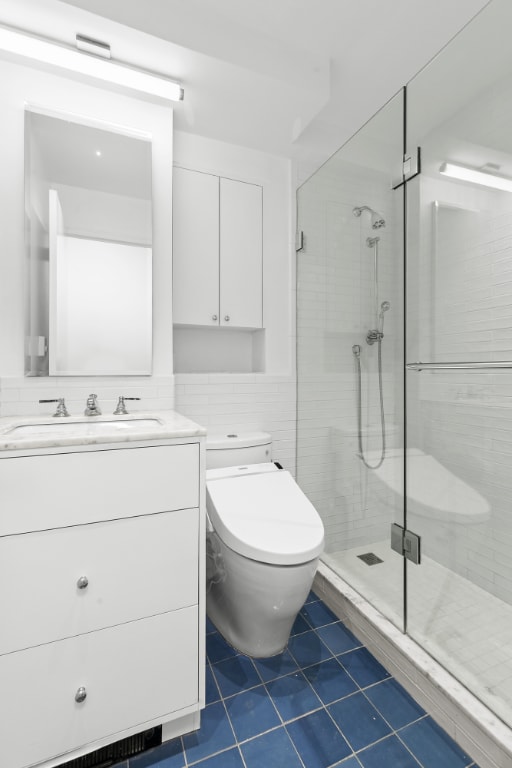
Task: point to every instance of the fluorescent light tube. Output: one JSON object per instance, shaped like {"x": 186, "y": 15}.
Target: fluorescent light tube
{"x": 463, "y": 173}
{"x": 63, "y": 57}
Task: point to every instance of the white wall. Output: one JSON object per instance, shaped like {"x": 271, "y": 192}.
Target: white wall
{"x": 274, "y": 174}
{"x": 20, "y": 85}
{"x": 254, "y": 401}
{"x": 460, "y": 287}
{"x": 251, "y": 401}
{"x": 335, "y": 311}
{"x": 98, "y": 215}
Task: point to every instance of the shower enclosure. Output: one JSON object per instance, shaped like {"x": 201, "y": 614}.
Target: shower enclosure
{"x": 404, "y": 358}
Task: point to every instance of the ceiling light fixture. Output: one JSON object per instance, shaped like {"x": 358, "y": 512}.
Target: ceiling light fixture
{"x": 96, "y": 47}
{"x": 463, "y": 173}
{"x": 60, "y": 56}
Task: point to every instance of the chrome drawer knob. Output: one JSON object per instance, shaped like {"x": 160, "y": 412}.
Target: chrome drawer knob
{"x": 214, "y": 317}
{"x": 82, "y": 582}
{"x": 80, "y": 695}
{"x": 226, "y": 318}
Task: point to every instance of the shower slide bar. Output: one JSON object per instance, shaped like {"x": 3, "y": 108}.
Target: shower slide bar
{"x": 473, "y": 366}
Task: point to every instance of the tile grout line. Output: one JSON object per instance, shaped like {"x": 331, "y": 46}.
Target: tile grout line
{"x": 300, "y": 672}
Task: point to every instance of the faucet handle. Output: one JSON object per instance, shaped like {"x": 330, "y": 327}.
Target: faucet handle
{"x": 121, "y": 407}
{"x": 61, "y": 407}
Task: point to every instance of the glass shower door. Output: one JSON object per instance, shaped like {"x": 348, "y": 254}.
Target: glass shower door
{"x": 459, "y": 358}
{"x": 350, "y": 356}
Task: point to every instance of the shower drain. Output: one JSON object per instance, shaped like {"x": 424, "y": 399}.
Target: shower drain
{"x": 370, "y": 558}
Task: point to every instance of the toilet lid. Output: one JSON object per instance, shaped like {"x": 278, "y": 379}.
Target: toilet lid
{"x": 266, "y": 517}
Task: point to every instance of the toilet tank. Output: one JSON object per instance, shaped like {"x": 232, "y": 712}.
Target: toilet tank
{"x": 231, "y": 450}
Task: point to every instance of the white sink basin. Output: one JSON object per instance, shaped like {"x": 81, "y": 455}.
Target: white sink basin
{"x": 64, "y": 427}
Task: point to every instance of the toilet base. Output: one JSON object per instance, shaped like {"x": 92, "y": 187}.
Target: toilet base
{"x": 253, "y": 604}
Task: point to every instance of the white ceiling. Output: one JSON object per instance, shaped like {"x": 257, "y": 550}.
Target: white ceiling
{"x": 290, "y": 77}
{"x": 68, "y": 154}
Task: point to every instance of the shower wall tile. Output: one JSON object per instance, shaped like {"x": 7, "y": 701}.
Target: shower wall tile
{"x": 335, "y": 308}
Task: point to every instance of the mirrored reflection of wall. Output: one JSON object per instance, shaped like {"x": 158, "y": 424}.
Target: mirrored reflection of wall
{"x": 102, "y": 182}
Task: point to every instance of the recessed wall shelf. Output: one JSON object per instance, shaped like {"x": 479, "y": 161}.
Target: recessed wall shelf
{"x": 218, "y": 350}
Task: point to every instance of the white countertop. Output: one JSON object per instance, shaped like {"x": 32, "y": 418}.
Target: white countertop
{"x": 26, "y": 432}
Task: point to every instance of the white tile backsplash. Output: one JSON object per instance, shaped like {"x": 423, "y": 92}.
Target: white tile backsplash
{"x": 219, "y": 402}
{"x": 20, "y": 396}
{"x": 243, "y": 403}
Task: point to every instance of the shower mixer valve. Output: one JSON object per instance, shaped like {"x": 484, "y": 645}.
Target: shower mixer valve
{"x": 373, "y": 336}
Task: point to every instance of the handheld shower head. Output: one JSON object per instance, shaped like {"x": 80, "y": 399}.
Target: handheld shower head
{"x": 383, "y": 308}
{"x": 377, "y": 219}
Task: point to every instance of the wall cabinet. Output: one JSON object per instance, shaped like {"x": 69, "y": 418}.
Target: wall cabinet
{"x": 217, "y": 251}
{"x": 100, "y": 592}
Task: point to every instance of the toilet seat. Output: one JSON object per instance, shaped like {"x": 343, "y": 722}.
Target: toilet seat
{"x": 263, "y": 515}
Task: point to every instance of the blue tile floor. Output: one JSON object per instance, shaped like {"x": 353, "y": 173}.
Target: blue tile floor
{"x": 325, "y": 701}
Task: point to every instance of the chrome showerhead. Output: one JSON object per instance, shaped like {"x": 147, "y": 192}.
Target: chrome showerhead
{"x": 378, "y": 220}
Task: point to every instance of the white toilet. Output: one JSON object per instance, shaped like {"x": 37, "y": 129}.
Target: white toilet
{"x": 263, "y": 544}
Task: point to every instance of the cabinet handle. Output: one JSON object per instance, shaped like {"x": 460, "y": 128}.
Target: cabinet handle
{"x": 226, "y": 318}
{"x": 214, "y": 317}
{"x": 80, "y": 695}
{"x": 82, "y": 582}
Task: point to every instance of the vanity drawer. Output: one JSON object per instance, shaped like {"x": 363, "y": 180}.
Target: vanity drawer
{"x": 128, "y": 569}
{"x": 55, "y": 490}
{"x": 132, "y": 674}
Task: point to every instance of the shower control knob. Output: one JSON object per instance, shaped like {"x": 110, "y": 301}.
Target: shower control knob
{"x": 226, "y": 318}
{"x": 80, "y": 695}
{"x": 215, "y": 317}
{"x": 83, "y": 582}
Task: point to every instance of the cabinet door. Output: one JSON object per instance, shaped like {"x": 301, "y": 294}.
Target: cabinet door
{"x": 241, "y": 254}
{"x": 59, "y": 583}
{"x": 195, "y": 247}
{"x": 132, "y": 674}
{"x": 57, "y": 490}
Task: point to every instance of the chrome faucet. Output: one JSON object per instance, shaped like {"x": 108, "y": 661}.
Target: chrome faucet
{"x": 61, "y": 406}
{"x": 121, "y": 407}
{"x": 92, "y": 408}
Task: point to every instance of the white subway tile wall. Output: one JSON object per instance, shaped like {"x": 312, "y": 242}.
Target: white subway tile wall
{"x": 243, "y": 403}
{"x": 335, "y": 308}
{"x": 463, "y": 281}
{"x": 460, "y": 308}
{"x": 219, "y": 402}
{"x": 20, "y": 396}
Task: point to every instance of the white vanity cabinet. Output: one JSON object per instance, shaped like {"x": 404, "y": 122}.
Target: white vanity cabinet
{"x": 217, "y": 251}
{"x": 101, "y": 597}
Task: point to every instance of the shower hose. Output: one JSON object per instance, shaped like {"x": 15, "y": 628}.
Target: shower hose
{"x": 359, "y": 411}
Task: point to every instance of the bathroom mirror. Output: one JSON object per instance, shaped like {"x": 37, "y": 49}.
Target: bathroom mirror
{"x": 88, "y": 249}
